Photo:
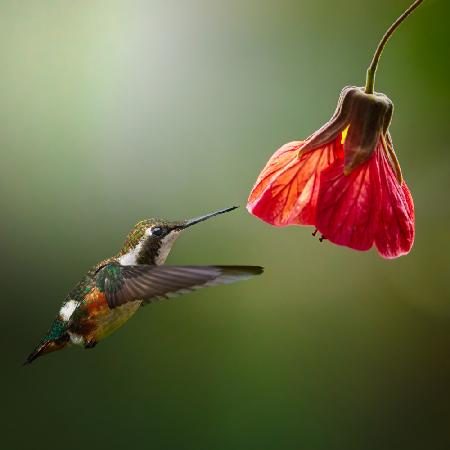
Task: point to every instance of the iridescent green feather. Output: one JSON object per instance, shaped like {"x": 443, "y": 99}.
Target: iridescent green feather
{"x": 58, "y": 328}
{"x": 114, "y": 275}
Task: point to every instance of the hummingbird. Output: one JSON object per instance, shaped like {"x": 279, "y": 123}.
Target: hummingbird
{"x": 114, "y": 289}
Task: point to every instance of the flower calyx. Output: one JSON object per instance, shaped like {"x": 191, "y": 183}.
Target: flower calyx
{"x": 363, "y": 120}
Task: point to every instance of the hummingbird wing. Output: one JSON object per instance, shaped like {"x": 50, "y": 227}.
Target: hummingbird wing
{"x": 123, "y": 284}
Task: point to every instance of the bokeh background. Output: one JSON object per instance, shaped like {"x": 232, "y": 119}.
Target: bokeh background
{"x": 114, "y": 111}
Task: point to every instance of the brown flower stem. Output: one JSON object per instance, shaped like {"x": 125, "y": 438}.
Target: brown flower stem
{"x": 370, "y": 78}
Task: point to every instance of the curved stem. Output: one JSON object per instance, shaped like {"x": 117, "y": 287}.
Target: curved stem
{"x": 370, "y": 79}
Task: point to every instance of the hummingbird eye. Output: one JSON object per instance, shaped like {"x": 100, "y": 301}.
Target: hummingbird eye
{"x": 157, "y": 231}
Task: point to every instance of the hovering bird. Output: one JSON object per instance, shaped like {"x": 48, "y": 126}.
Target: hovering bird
{"x": 112, "y": 291}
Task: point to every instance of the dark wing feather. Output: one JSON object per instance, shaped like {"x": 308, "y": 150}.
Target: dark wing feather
{"x": 123, "y": 284}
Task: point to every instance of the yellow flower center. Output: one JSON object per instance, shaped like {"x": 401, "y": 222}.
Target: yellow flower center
{"x": 344, "y": 134}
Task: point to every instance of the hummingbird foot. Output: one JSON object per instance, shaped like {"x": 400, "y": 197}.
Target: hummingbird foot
{"x": 90, "y": 344}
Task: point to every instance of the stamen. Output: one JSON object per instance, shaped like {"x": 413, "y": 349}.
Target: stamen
{"x": 315, "y": 232}
{"x": 322, "y": 238}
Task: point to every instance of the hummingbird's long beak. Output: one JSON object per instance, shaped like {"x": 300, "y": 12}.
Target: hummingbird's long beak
{"x": 195, "y": 220}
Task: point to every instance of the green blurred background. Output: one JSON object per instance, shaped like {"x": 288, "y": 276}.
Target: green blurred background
{"x": 113, "y": 111}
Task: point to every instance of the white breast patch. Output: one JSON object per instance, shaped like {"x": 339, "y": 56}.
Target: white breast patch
{"x": 67, "y": 310}
{"x": 76, "y": 339}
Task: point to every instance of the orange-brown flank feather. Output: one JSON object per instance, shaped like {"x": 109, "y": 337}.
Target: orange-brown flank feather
{"x": 96, "y": 319}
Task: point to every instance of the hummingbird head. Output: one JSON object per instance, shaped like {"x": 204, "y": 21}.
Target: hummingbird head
{"x": 150, "y": 241}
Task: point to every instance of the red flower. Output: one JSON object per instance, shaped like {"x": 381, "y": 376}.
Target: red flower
{"x": 344, "y": 179}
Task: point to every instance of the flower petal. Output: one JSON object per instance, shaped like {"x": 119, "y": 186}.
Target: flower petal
{"x": 276, "y": 163}
{"x": 395, "y": 234}
{"x": 287, "y": 189}
{"x": 348, "y": 207}
{"x": 367, "y": 206}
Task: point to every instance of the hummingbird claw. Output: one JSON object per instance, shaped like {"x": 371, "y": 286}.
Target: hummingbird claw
{"x": 90, "y": 344}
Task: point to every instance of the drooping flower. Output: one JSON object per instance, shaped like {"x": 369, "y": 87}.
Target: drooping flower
{"x": 344, "y": 179}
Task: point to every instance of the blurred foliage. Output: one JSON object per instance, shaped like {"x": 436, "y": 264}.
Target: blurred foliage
{"x": 113, "y": 111}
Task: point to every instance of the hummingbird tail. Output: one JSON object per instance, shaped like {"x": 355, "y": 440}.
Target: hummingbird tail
{"x": 47, "y": 347}
{"x": 34, "y": 354}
